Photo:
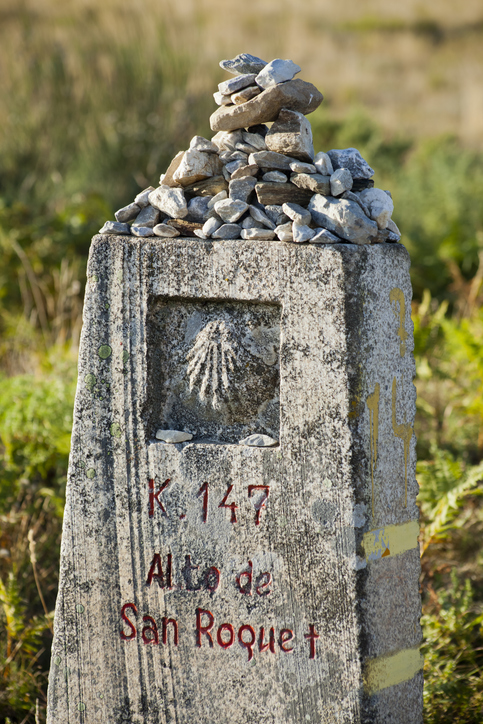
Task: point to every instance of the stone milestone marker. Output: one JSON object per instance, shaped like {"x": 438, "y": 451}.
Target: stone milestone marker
{"x": 240, "y": 533}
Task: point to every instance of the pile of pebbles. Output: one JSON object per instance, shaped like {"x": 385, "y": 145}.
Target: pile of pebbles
{"x": 256, "y": 182}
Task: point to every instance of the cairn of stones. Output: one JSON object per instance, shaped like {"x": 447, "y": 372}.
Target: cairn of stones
{"x": 258, "y": 182}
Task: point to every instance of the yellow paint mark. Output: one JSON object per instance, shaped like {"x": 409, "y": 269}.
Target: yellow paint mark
{"x": 390, "y": 670}
{"x": 405, "y": 432}
{"x": 372, "y": 403}
{"x": 391, "y": 540}
{"x": 397, "y": 295}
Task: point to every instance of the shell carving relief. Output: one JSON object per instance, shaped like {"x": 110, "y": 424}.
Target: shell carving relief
{"x": 211, "y": 363}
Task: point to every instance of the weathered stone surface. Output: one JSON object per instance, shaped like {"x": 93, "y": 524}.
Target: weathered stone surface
{"x": 257, "y": 234}
{"x": 270, "y": 193}
{"x": 246, "y": 94}
{"x": 296, "y": 95}
{"x": 210, "y": 226}
{"x": 275, "y": 213}
{"x": 325, "y": 539}
{"x": 291, "y": 134}
{"x": 276, "y": 177}
{"x": 165, "y": 230}
{"x": 232, "y": 85}
{"x": 302, "y": 232}
{"x": 351, "y": 159}
{"x": 208, "y": 187}
{"x": 198, "y": 208}
{"x": 340, "y": 181}
{"x": 323, "y": 164}
{"x": 218, "y": 197}
{"x": 285, "y": 231}
{"x": 257, "y": 140}
{"x": 249, "y": 170}
{"x": 115, "y": 227}
{"x": 246, "y": 148}
{"x": 198, "y": 143}
{"x": 185, "y": 227}
{"x": 142, "y": 198}
{"x": 302, "y": 167}
{"x": 322, "y": 236}
{"x": 297, "y": 213}
{"x": 127, "y": 212}
{"x": 230, "y": 210}
{"x": 170, "y": 201}
{"x": 148, "y": 216}
{"x": 250, "y": 223}
{"x": 196, "y": 166}
{"x": 344, "y": 218}
{"x": 173, "y": 436}
{"x": 393, "y": 228}
{"x": 234, "y": 166}
{"x": 227, "y": 140}
{"x": 142, "y": 231}
{"x": 227, "y": 231}
{"x": 259, "y": 441}
{"x": 261, "y": 216}
{"x": 314, "y": 182}
{"x": 228, "y": 156}
{"x": 168, "y": 176}
{"x": 351, "y": 196}
{"x": 380, "y": 206}
{"x": 270, "y": 160}
{"x": 277, "y": 71}
{"x": 222, "y": 100}
{"x": 241, "y": 189}
{"x": 243, "y": 63}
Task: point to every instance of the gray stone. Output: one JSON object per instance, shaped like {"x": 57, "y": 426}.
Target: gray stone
{"x": 243, "y": 63}
{"x": 277, "y": 71}
{"x": 165, "y": 230}
{"x": 275, "y": 213}
{"x": 302, "y": 232}
{"x": 198, "y": 143}
{"x": 227, "y": 140}
{"x": 393, "y": 237}
{"x": 226, "y": 173}
{"x": 323, "y": 164}
{"x": 270, "y": 160}
{"x": 255, "y": 139}
{"x": 340, "y": 181}
{"x": 249, "y": 170}
{"x": 142, "y": 198}
{"x": 246, "y": 148}
{"x": 127, "y": 212}
{"x": 222, "y": 100}
{"x": 351, "y": 196}
{"x": 200, "y": 234}
{"x": 296, "y": 95}
{"x": 198, "y": 208}
{"x": 261, "y": 216}
{"x": 148, "y": 216}
{"x": 380, "y": 206}
{"x": 168, "y": 177}
{"x": 285, "y": 231}
{"x": 314, "y": 182}
{"x": 234, "y": 166}
{"x": 297, "y": 213}
{"x": 173, "y": 436}
{"x": 259, "y": 441}
{"x": 227, "y": 231}
{"x": 393, "y": 228}
{"x": 199, "y": 546}
{"x": 229, "y": 156}
{"x": 257, "y": 234}
{"x": 230, "y": 210}
{"x": 344, "y": 218}
{"x": 250, "y": 223}
{"x": 196, "y": 166}
{"x": 232, "y": 85}
{"x": 170, "y": 201}
{"x": 291, "y": 134}
{"x": 278, "y": 194}
{"x": 218, "y": 197}
{"x": 210, "y": 226}
{"x": 302, "y": 167}
{"x": 351, "y": 159}
{"x": 115, "y": 227}
{"x": 241, "y": 189}
{"x": 246, "y": 94}
{"x": 142, "y": 231}
{"x": 322, "y": 236}
{"x": 276, "y": 177}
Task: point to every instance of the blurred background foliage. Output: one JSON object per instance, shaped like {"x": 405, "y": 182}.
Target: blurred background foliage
{"x": 95, "y": 100}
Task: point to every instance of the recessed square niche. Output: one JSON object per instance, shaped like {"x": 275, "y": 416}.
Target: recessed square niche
{"x": 213, "y": 368}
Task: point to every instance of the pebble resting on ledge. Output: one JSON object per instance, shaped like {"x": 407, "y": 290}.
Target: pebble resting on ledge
{"x": 245, "y": 181}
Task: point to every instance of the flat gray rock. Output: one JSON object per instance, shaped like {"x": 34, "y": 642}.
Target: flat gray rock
{"x": 276, "y": 214}
{"x": 240, "y": 189}
{"x": 277, "y": 71}
{"x": 198, "y": 208}
{"x": 234, "y": 166}
{"x": 232, "y": 85}
{"x": 257, "y": 234}
{"x": 302, "y": 167}
{"x": 285, "y": 231}
{"x": 227, "y": 231}
{"x": 322, "y": 236}
{"x": 230, "y": 210}
{"x": 148, "y": 216}
{"x": 115, "y": 227}
{"x": 173, "y": 436}
{"x": 344, "y": 218}
{"x": 255, "y": 139}
{"x": 302, "y": 232}
{"x": 210, "y": 226}
{"x": 127, "y": 213}
{"x": 196, "y": 166}
{"x": 297, "y": 213}
{"x": 222, "y": 100}
{"x": 142, "y": 231}
{"x": 296, "y": 95}
{"x": 227, "y": 140}
{"x": 393, "y": 228}
{"x": 248, "y": 170}
{"x": 380, "y": 206}
{"x": 314, "y": 182}
{"x": 340, "y": 181}
{"x": 246, "y": 94}
{"x": 142, "y": 199}
{"x": 323, "y": 164}
{"x": 165, "y": 230}
{"x": 291, "y": 134}
{"x": 250, "y": 223}
{"x": 261, "y": 216}
{"x": 243, "y": 63}
{"x": 351, "y": 159}
{"x": 259, "y": 441}
{"x": 198, "y": 143}
{"x": 218, "y": 197}
{"x": 270, "y": 160}
{"x": 276, "y": 177}
{"x": 170, "y": 201}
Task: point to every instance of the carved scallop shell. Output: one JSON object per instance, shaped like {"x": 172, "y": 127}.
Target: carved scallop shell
{"x": 212, "y": 362}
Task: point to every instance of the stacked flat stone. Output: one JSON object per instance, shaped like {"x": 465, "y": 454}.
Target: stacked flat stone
{"x": 251, "y": 181}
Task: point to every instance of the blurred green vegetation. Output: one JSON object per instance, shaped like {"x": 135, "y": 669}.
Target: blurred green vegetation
{"x": 87, "y": 127}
